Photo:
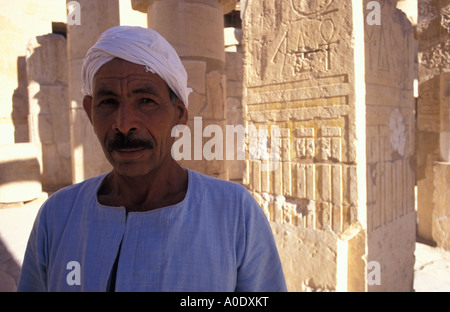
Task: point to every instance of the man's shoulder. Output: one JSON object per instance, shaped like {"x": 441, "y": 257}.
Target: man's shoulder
{"x": 88, "y": 185}
{"x": 56, "y": 210}
{"x": 67, "y": 197}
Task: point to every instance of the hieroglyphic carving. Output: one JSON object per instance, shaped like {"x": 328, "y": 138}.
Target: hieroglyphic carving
{"x": 389, "y": 119}
{"x": 304, "y": 47}
{"x": 304, "y": 144}
{"x": 390, "y": 171}
{"x": 308, "y": 8}
{"x": 390, "y": 181}
{"x": 309, "y": 177}
{"x": 307, "y": 59}
{"x": 294, "y": 39}
{"x": 298, "y": 79}
{"x": 310, "y": 75}
{"x": 387, "y": 57}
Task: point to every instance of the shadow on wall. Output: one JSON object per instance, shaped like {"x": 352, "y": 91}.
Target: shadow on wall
{"x": 20, "y": 170}
{"x": 20, "y": 103}
{"x": 41, "y": 107}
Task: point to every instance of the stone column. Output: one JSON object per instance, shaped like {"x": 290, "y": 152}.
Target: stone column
{"x": 234, "y": 71}
{"x": 49, "y": 113}
{"x": 196, "y": 31}
{"x": 88, "y": 159}
{"x": 329, "y": 92}
{"x": 433, "y": 121}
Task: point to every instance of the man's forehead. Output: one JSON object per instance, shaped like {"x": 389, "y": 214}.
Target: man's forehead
{"x": 118, "y": 73}
{"x": 132, "y": 81}
{"x": 120, "y": 69}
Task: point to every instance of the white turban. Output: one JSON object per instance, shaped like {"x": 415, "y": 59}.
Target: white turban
{"x": 141, "y": 46}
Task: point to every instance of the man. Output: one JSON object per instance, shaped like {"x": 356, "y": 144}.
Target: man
{"x": 148, "y": 225}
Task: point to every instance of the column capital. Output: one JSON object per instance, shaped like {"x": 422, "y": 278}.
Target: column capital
{"x": 227, "y": 5}
{"x": 142, "y": 5}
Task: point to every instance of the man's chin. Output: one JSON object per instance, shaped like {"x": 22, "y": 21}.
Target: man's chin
{"x": 131, "y": 170}
{"x": 129, "y": 165}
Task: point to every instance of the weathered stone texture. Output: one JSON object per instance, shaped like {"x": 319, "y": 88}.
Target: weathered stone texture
{"x": 304, "y": 75}
{"x": 298, "y": 77}
{"x": 304, "y": 251}
{"x": 433, "y": 121}
{"x": 441, "y": 206}
{"x": 234, "y": 74}
{"x": 49, "y": 108}
{"x": 19, "y": 22}
{"x": 390, "y": 127}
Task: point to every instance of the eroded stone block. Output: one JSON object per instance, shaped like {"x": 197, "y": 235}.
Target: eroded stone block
{"x": 303, "y": 73}
{"x": 441, "y": 206}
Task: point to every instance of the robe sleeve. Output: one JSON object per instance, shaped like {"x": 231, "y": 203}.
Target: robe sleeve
{"x": 259, "y": 267}
{"x": 33, "y": 276}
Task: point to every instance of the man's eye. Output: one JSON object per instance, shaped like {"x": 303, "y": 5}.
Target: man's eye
{"x": 147, "y": 101}
{"x": 107, "y": 102}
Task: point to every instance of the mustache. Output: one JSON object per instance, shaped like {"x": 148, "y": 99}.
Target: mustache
{"x": 122, "y": 141}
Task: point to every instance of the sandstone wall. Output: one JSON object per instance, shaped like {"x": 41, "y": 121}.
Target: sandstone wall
{"x": 20, "y": 21}
{"x": 390, "y": 127}
{"x": 48, "y": 117}
{"x": 433, "y": 121}
{"x": 341, "y": 96}
{"x": 234, "y": 72}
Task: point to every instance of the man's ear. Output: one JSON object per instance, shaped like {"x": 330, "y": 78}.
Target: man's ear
{"x": 87, "y": 104}
{"x": 183, "y": 112}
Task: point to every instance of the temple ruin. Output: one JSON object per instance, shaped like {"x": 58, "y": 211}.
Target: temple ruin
{"x": 345, "y": 107}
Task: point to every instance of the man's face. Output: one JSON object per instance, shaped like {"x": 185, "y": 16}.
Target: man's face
{"x": 133, "y": 117}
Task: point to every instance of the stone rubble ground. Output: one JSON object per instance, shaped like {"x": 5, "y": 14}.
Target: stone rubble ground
{"x": 431, "y": 270}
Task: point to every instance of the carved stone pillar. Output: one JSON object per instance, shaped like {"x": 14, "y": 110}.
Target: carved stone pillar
{"x": 339, "y": 188}
{"x": 49, "y": 111}
{"x": 433, "y": 121}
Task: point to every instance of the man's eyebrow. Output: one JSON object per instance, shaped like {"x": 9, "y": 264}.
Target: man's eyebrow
{"x": 105, "y": 92}
{"x": 140, "y": 90}
{"x": 102, "y": 91}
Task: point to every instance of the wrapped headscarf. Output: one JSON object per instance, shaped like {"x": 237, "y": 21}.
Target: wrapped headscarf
{"x": 141, "y": 46}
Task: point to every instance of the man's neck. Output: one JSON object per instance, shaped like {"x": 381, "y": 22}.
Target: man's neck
{"x": 157, "y": 189}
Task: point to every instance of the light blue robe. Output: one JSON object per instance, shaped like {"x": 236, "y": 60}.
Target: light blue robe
{"x": 216, "y": 239}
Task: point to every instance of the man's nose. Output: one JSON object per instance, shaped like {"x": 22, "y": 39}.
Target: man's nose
{"x": 126, "y": 120}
